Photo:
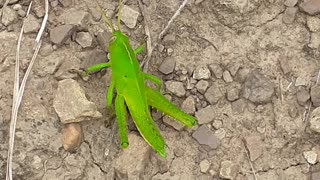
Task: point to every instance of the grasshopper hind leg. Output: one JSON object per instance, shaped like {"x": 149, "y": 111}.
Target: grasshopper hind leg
{"x": 121, "y": 115}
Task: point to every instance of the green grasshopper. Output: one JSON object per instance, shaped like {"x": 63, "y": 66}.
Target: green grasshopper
{"x": 129, "y": 82}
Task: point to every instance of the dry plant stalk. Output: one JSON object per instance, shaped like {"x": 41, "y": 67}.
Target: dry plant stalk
{"x": 18, "y": 91}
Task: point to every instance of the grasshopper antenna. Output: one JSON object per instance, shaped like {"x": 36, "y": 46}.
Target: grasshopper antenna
{"x": 119, "y": 13}
{"x": 106, "y": 20}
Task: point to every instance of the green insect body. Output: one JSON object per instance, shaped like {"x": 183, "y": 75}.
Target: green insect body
{"x": 129, "y": 82}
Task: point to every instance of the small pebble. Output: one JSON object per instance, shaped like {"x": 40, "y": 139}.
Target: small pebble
{"x": 289, "y": 15}
{"x": 129, "y": 16}
{"x": 290, "y": 3}
{"x": 176, "y": 88}
{"x": 188, "y": 105}
{"x": 216, "y": 70}
{"x": 213, "y": 94}
{"x": 228, "y": 170}
{"x": 205, "y": 136}
{"x": 169, "y": 39}
{"x": 167, "y": 66}
{"x": 202, "y": 86}
{"x": 31, "y": 24}
{"x": 302, "y": 95}
{"x": 310, "y": 156}
{"x": 234, "y": 67}
{"x": 71, "y": 136}
{"x": 301, "y": 82}
{"x": 315, "y": 120}
{"x": 227, "y": 77}
{"x": 312, "y": 7}
{"x": 201, "y": 72}
{"x": 60, "y": 34}
{"x": 315, "y": 95}
{"x": 313, "y": 23}
{"x": 84, "y": 39}
{"x": 204, "y": 115}
{"x": 204, "y": 166}
{"x": 217, "y": 124}
{"x": 255, "y": 146}
{"x": 170, "y": 122}
{"x": 9, "y": 16}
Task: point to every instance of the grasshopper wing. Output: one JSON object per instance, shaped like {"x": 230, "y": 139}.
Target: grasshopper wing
{"x": 141, "y": 117}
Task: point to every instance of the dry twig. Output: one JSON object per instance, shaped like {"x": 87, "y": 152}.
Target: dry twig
{"x": 150, "y": 48}
{"x": 247, "y": 154}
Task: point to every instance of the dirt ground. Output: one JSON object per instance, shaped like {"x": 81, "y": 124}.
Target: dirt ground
{"x": 246, "y": 69}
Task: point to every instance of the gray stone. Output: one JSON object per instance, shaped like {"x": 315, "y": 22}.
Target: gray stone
{"x": 205, "y": 115}
{"x": 238, "y": 106}
{"x": 289, "y": 15}
{"x": 167, "y": 66}
{"x": 293, "y": 111}
{"x": 65, "y": 69}
{"x": 84, "y": 39}
{"x": 188, "y": 105}
{"x": 37, "y": 7}
{"x": 216, "y": 70}
{"x": 21, "y": 13}
{"x": 204, "y": 166}
{"x": 9, "y": 16}
{"x": 129, "y": 16}
{"x": 16, "y": 7}
{"x": 217, "y": 124}
{"x": 315, "y": 175}
{"x": 302, "y": 95}
{"x": 176, "y": 88}
{"x": 95, "y": 14}
{"x": 59, "y": 35}
{"x": 103, "y": 39}
{"x": 228, "y": 170}
{"x": 213, "y": 94}
{"x": 301, "y": 82}
{"x": 315, "y": 95}
{"x": 233, "y": 92}
{"x": 66, "y": 3}
{"x": 201, "y": 72}
{"x": 314, "y": 40}
{"x": 290, "y": 3}
{"x": 75, "y": 17}
{"x": 234, "y": 67}
{"x": 313, "y": 23}
{"x": 31, "y": 24}
{"x": 170, "y": 122}
{"x": 312, "y": 7}
{"x": 242, "y": 75}
{"x": 255, "y": 146}
{"x": 284, "y": 65}
{"x": 315, "y": 120}
{"x": 205, "y": 136}
{"x": 257, "y": 88}
{"x": 202, "y": 86}
{"x": 133, "y": 160}
{"x": 54, "y": 3}
{"x": 227, "y": 77}
{"x": 71, "y": 103}
{"x": 310, "y": 156}
{"x": 46, "y": 49}
{"x": 169, "y": 39}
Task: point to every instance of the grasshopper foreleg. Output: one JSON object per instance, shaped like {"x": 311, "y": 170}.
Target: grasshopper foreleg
{"x": 97, "y": 67}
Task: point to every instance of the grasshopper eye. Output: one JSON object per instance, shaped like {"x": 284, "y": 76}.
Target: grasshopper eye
{"x": 112, "y": 39}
